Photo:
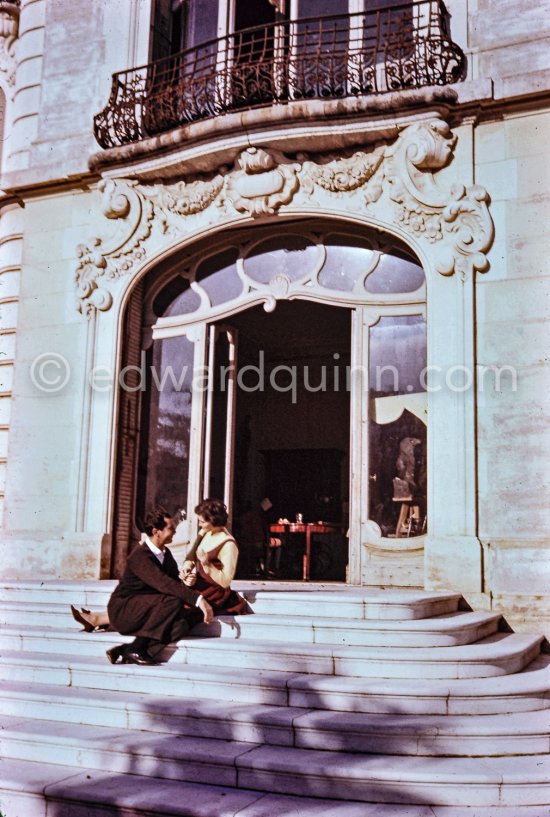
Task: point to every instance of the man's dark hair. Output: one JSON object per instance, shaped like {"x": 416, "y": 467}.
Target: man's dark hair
{"x": 213, "y": 511}
{"x": 156, "y": 519}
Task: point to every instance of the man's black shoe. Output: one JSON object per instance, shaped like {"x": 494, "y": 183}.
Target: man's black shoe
{"x": 115, "y": 653}
{"x": 137, "y": 658}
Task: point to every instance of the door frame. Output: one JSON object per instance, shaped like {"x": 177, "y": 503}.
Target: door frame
{"x": 204, "y": 334}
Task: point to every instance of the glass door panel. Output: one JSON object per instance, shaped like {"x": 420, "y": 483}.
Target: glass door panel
{"x": 166, "y": 424}
{"x": 180, "y": 86}
{"x": 219, "y": 436}
{"x": 397, "y": 427}
{"x": 321, "y": 8}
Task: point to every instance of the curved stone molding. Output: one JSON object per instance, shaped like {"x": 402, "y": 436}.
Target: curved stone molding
{"x": 396, "y": 184}
{"x": 9, "y": 29}
{"x": 458, "y": 217}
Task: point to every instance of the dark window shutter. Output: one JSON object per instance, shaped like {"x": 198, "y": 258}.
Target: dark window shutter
{"x": 125, "y": 531}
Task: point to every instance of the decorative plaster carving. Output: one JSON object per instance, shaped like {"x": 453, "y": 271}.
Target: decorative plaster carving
{"x": 279, "y": 285}
{"x": 265, "y": 181}
{"x": 341, "y": 175}
{"x": 185, "y": 199}
{"x": 91, "y": 295}
{"x": 457, "y": 217}
{"x": 101, "y": 261}
{"x": 9, "y": 29}
{"x": 138, "y": 207}
{"x": 398, "y": 181}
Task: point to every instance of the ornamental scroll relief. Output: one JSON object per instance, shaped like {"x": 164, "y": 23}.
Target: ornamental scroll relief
{"x": 457, "y": 217}
{"x": 394, "y": 185}
{"x": 9, "y": 30}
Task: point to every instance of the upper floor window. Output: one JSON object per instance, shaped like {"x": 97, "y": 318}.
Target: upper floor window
{"x": 212, "y": 57}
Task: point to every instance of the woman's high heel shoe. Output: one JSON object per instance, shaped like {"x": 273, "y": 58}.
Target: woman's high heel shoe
{"x": 86, "y": 618}
{"x": 79, "y": 616}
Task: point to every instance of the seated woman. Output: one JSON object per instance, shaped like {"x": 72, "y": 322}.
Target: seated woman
{"x": 216, "y": 554}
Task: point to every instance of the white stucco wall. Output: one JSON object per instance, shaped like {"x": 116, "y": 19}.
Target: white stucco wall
{"x": 46, "y": 417}
{"x": 513, "y": 302}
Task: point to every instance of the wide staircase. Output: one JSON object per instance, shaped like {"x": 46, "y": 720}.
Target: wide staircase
{"x": 328, "y": 702}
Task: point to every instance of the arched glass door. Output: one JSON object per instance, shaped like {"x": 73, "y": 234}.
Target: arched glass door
{"x": 205, "y": 309}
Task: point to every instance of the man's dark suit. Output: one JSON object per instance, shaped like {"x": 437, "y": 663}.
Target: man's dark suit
{"x": 151, "y": 601}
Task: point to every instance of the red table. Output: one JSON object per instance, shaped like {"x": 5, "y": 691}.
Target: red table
{"x": 308, "y": 528}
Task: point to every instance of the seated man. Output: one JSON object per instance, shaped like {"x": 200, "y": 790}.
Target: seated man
{"x": 221, "y": 600}
{"x": 150, "y": 602}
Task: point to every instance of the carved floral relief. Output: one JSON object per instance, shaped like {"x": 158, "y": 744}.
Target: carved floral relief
{"x": 342, "y": 174}
{"x": 396, "y": 183}
{"x": 102, "y": 260}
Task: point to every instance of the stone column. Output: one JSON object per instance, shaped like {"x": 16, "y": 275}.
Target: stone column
{"x": 28, "y": 81}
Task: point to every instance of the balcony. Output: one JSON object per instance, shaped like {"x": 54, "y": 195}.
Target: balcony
{"x": 380, "y": 51}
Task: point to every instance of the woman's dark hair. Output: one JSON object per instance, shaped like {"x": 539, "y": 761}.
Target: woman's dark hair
{"x": 156, "y": 519}
{"x": 213, "y": 511}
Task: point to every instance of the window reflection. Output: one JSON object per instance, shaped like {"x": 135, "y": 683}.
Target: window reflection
{"x": 347, "y": 260}
{"x": 397, "y": 429}
{"x": 166, "y": 424}
{"x": 177, "y": 298}
{"x": 292, "y": 256}
{"x": 338, "y": 262}
{"x": 395, "y": 274}
{"x": 397, "y": 355}
{"x": 218, "y": 276}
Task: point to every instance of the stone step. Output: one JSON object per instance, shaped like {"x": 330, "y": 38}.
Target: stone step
{"x": 337, "y": 601}
{"x": 45, "y": 790}
{"x": 442, "y": 781}
{"x": 89, "y": 672}
{"x": 396, "y": 734}
{"x": 282, "y": 769}
{"x": 215, "y": 719}
{"x": 350, "y": 603}
{"x": 399, "y": 697}
{"x": 498, "y": 654}
{"x": 451, "y": 629}
{"x": 520, "y": 692}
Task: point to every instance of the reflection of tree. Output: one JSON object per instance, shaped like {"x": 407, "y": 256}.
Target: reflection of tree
{"x": 385, "y": 443}
{"x": 168, "y": 454}
{"x": 398, "y": 354}
{"x": 166, "y": 424}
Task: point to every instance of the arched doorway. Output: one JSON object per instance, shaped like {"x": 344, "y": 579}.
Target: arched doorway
{"x": 339, "y": 313}
{"x": 290, "y": 424}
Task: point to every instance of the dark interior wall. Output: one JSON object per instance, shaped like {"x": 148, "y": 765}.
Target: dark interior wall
{"x": 306, "y": 410}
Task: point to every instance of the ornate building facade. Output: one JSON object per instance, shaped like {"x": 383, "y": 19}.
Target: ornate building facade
{"x": 298, "y": 253}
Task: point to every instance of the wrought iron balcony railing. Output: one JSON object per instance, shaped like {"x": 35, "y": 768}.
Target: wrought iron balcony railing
{"x": 382, "y": 50}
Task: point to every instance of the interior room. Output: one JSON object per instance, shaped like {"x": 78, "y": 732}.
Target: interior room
{"x": 291, "y": 462}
